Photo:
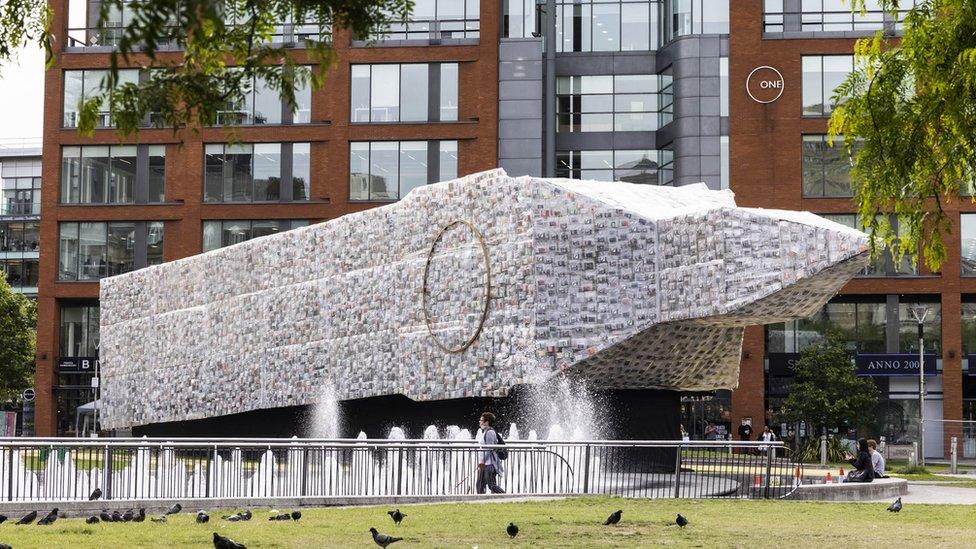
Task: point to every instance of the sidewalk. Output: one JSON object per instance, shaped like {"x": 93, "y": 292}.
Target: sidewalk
{"x": 937, "y": 492}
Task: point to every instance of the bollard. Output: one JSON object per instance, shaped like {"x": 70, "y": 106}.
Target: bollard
{"x": 823, "y": 449}
{"x": 914, "y": 455}
{"x": 953, "y": 456}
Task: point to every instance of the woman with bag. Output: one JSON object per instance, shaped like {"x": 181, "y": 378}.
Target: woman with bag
{"x": 863, "y": 469}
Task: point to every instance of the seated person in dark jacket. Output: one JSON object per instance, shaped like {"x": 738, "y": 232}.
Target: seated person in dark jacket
{"x": 863, "y": 469}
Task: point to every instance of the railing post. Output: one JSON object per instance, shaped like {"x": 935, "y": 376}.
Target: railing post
{"x": 305, "y": 468}
{"x": 211, "y": 466}
{"x": 586, "y": 470}
{"x": 10, "y": 473}
{"x": 769, "y": 470}
{"x": 677, "y": 472}
{"x": 400, "y": 472}
{"x": 107, "y": 472}
{"x": 954, "y": 456}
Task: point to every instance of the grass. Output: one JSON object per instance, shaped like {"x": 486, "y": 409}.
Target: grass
{"x": 560, "y": 523}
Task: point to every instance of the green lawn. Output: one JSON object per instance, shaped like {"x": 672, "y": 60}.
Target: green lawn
{"x": 562, "y": 523}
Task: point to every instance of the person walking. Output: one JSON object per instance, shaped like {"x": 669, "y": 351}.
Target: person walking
{"x": 489, "y": 465}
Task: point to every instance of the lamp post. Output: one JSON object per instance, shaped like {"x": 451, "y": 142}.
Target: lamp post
{"x": 920, "y": 312}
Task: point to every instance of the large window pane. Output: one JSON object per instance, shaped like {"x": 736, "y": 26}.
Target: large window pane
{"x": 413, "y": 90}
{"x": 908, "y": 327}
{"x": 635, "y": 32}
{"x": 385, "y": 93}
{"x": 967, "y": 233}
{"x": 413, "y": 165}
{"x": 359, "y": 94}
{"x": 70, "y": 174}
{"x": 92, "y": 251}
{"x": 359, "y": 171}
{"x": 154, "y": 243}
{"x": 157, "y": 173}
{"x": 301, "y": 171}
{"x": 813, "y": 85}
{"x": 448, "y": 160}
{"x": 267, "y": 103}
{"x": 73, "y": 93}
{"x": 606, "y": 27}
{"x": 238, "y": 161}
{"x": 123, "y": 175}
{"x": 214, "y": 173}
{"x": 383, "y": 160}
{"x": 267, "y": 172}
{"x": 94, "y": 174}
{"x": 68, "y": 252}
{"x": 449, "y": 92}
{"x": 211, "y": 235}
{"x": 121, "y": 248}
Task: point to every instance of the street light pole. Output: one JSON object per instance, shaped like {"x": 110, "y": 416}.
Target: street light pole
{"x": 920, "y": 312}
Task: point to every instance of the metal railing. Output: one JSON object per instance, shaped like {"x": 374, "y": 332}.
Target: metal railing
{"x": 777, "y": 21}
{"x": 70, "y": 469}
{"x": 110, "y": 36}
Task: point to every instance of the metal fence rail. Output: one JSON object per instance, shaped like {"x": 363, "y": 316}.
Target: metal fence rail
{"x": 70, "y": 469}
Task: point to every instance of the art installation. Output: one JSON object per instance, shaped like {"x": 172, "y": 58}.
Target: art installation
{"x": 468, "y": 288}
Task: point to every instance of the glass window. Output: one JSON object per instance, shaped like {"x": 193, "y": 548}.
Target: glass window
{"x": 635, "y": 26}
{"x": 110, "y": 175}
{"x": 826, "y": 169}
{"x": 609, "y": 103}
{"x": 154, "y": 243}
{"x": 519, "y": 20}
{"x": 448, "y": 160}
{"x": 218, "y": 234}
{"x": 267, "y": 103}
{"x": 301, "y": 171}
{"x": 883, "y": 263}
{"x": 821, "y": 75}
{"x": 247, "y": 172}
{"x": 402, "y": 93}
{"x": 454, "y": 19}
{"x": 601, "y": 25}
{"x": 79, "y": 86}
{"x": 388, "y": 170}
{"x": 79, "y": 331}
{"x": 908, "y": 327}
{"x": 261, "y": 104}
{"x": 967, "y": 235}
{"x": 92, "y": 250}
{"x": 969, "y": 329}
{"x": 630, "y": 166}
{"x": 449, "y": 92}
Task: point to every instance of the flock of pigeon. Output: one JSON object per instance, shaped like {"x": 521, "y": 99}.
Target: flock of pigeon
{"x": 223, "y": 542}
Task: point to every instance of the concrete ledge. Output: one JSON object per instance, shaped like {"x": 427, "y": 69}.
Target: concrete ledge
{"x": 882, "y": 488}
{"x": 75, "y": 509}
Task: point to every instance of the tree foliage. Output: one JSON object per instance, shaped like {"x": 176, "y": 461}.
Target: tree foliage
{"x": 201, "y": 56}
{"x": 18, "y": 335}
{"x": 827, "y": 393}
{"x": 909, "y": 124}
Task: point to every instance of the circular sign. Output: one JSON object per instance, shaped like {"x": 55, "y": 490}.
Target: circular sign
{"x": 457, "y": 286}
{"x": 28, "y": 395}
{"x": 765, "y": 84}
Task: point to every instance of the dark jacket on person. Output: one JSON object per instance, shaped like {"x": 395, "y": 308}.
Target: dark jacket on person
{"x": 745, "y": 432}
{"x": 864, "y": 470}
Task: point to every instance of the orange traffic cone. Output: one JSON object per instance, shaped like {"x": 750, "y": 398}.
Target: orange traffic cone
{"x": 828, "y": 478}
{"x": 757, "y": 482}
{"x": 797, "y": 473}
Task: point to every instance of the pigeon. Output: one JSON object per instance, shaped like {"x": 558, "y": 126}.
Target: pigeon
{"x": 141, "y": 516}
{"x": 116, "y": 516}
{"x": 160, "y": 518}
{"x": 397, "y": 516}
{"x": 28, "y": 518}
{"x": 96, "y": 493}
{"x": 896, "y": 506}
{"x": 3, "y": 519}
{"x": 232, "y": 518}
{"x": 92, "y": 520}
{"x": 512, "y": 530}
{"x": 282, "y": 516}
{"x": 176, "y": 508}
{"x": 5, "y": 546}
{"x": 614, "y": 518}
{"x": 681, "y": 521}
{"x": 202, "y": 517}
{"x": 49, "y": 518}
{"x": 105, "y": 516}
{"x": 295, "y": 515}
{"x": 221, "y": 542}
{"x": 382, "y": 539}
{"x": 246, "y": 515}
{"x": 128, "y": 515}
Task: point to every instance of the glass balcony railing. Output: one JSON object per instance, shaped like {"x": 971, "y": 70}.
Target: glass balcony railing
{"x": 21, "y": 208}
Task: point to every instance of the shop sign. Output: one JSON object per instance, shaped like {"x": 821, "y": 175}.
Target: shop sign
{"x": 765, "y": 84}
{"x": 783, "y": 364}
{"x": 893, "y": 364}
{"x": 78, "y": 364}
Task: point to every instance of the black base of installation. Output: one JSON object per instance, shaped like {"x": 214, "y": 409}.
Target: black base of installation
{"x": 632, "y": 414}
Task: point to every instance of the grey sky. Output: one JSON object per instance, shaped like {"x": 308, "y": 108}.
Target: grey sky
{"x": 22, "y": 96}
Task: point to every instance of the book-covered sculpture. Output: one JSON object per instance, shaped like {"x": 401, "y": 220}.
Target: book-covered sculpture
{"x": 468, "y": 288}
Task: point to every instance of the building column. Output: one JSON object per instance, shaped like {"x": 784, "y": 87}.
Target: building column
{"x": 748, "y": 399}
{"x": 951, "y": 370}
{"x": 45, "y": 378}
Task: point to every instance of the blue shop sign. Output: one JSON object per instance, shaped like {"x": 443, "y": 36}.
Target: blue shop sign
{"x": 894, "y": 364}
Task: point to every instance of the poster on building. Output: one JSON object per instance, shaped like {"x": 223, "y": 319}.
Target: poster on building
{"x": 894, "y": 364}
{"x": 8, "y": 427}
